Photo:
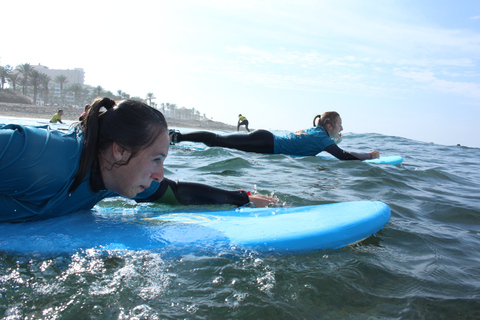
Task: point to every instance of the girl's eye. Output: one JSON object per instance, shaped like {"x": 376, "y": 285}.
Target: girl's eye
{"x": 159, "y": 158}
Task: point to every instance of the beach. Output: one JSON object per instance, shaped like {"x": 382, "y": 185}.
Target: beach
{"x": 18, "y": 110}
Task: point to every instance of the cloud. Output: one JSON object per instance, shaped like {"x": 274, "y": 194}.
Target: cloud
{"x": 434, "y": 83}
{"x": 311, "y": 71}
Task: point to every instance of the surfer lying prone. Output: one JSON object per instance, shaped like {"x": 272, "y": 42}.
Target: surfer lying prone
{"x": 323, "y": 136}
{"x": 115, "y": 150}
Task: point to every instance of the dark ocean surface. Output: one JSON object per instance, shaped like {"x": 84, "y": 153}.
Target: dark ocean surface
{"x": 425, "y": 264}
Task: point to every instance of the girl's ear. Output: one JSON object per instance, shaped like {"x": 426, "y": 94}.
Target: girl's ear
{"x": 119, "y": 153}
{"x": 328, "y": 128}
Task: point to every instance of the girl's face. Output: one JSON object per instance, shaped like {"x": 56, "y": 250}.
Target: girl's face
{"x": 335, "y": 130}
{"x": 136, "y": 176}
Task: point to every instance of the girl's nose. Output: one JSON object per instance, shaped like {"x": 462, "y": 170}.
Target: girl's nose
{"x": 157, "y": 175}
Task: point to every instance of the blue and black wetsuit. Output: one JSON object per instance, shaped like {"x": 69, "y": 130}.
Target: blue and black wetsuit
{"x": 38, "y": 166}
{"x": 314, "y": 141}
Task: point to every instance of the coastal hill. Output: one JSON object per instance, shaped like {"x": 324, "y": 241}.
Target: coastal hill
{"x": 19, "y": 110}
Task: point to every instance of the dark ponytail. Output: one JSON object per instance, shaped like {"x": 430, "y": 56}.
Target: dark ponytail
{"x": 131, "y": 124}
{"x": 90, "y": 128}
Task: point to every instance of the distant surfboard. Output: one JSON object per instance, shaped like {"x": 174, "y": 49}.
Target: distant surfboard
{"x": 393, "y": 160}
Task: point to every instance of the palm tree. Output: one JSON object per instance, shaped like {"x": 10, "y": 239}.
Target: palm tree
{"x": 35, "y": 81}
{"x": 99, "y": 91}
{"x": 25, "y": 70}
{"x": 4, "y": 72}
{"x": 14, "y": 79}
{"x": 45, "y": 80}
{"x": 24, "y": 83}
{"x": 172, "y": 107}
{"x": 123, "y": 95}
{"x": 150, "y": 97}
{"x": 110, "y": 94}
{"x": 84, "y": 96}
{"x": 61, "y": 80}
{"x": 76, "y": 89}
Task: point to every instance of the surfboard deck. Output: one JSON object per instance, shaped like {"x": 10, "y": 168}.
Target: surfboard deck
{"x": 294, "y": 229}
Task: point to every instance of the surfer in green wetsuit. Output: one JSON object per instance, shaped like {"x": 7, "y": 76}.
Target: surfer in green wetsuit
{"x": 242, "y": 121}
{"x": 57, "y": 117}
{"x": 323, "y": 136}
{"x": 117, "y": 152}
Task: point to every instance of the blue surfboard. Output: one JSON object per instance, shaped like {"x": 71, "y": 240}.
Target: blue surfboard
{"x": 394, "y": 160}
{"x": 294, "y": 229}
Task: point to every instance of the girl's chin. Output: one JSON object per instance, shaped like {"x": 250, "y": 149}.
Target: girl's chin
{"x": 131, "y": 193}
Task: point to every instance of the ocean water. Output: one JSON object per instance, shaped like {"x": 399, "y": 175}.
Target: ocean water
{"x": 425, "y": 263}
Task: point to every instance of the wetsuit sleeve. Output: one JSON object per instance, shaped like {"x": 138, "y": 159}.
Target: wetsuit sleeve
{"x": 188, "y": 193}
{"x": 340, "y": 154}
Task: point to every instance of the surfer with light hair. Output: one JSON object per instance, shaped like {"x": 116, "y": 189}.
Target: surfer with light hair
{"x": 323, "y": 136}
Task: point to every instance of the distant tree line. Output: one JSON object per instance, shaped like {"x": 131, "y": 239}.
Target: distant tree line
{"x": 27, "y": 85}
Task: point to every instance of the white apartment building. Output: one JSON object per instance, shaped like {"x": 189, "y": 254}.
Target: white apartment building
{"x": 74, "y": 76}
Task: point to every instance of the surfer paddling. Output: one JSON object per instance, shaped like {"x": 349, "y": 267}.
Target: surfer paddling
{"x": 323, "y": 136}
{"x": 116, "y": 150}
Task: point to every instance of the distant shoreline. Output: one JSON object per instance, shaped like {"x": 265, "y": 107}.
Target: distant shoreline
{"x": 19, "y": 110}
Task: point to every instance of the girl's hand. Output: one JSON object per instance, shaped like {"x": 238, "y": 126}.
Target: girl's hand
{"x": 261, "y": 200}
{"x": 375, "y": 154}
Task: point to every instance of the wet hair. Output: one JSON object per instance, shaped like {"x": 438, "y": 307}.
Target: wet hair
{"x": 131, "y": 124}
{"x": 329, "y": 117}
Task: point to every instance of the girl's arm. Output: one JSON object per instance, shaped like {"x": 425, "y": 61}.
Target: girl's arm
{"x": 189, "y": 193}
{"x": 340, "y": 154}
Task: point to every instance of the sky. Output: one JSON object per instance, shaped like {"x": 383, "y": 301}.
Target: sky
{"x": 405, "y": 68}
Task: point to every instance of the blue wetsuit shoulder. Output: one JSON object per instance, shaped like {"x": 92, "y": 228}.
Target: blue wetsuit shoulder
{"x": 37, "y": 166}
{"x": 312, "y": 143}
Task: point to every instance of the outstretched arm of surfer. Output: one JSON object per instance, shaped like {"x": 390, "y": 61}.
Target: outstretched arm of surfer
{"x": 189, "y": 193}
{"x": 340, "y": 154}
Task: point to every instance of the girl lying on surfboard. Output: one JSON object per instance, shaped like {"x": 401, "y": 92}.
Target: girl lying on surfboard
{"x": 323, "y": 136}
{"x": 119, "y": 151}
